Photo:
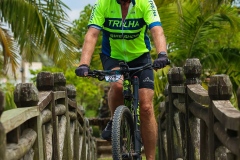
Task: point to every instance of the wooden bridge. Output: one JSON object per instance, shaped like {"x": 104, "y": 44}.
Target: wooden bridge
{"x": 194, "y": 123}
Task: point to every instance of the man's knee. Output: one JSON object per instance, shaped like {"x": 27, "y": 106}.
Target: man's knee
{"x": 146, "y": 110}
{"x": 115, "y": 88}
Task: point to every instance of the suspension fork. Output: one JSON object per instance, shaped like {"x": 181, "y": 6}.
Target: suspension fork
{"x": 137, "y": 134}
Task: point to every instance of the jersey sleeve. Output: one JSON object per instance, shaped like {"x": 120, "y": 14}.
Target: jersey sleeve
{"x": 151, "y": 15}
{"x": 97, "y": 16}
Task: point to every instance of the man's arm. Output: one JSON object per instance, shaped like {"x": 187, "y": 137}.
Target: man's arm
{"x": 159, "y": 39}
{"x": 89, "y": 44}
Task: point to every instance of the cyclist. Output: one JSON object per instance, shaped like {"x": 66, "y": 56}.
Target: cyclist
{"x": 124, "y": 24}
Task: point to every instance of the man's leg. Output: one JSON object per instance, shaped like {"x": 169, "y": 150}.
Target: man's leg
{"x": 148, "y": 122}
{"x": 115, "y": 96}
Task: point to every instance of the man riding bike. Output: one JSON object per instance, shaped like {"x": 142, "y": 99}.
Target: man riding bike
{"x": 124, "y": 24}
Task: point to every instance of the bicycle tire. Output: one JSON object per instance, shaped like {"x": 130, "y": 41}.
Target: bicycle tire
{"x": 122, "y": 134}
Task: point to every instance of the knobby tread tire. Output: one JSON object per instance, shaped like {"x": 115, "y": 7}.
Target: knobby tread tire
{"x": 122, "y": 112}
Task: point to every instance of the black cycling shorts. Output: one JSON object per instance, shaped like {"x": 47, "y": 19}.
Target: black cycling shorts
{"x": 146, "y": 78}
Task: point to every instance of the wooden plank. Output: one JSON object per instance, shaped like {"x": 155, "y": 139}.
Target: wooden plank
{"x": 1, "y": 103}
{"x": 54, "y": 122}
{"x": 238, "y": 97}
{"x": 230, "y": 142}
{"x": 67, "y": 142}
{"x": 203, "y": 141}
{"x": 211, "y": 135}
{"x": 2, "y": 142}
{"x": 62, "y": 135}
{"x": 15, "y": 117}
{"x": 60, "y": 109}
{"x": 199, "y": 111}
{"x": 72, "y": 104}
{"x": 76, "y": 142}
{"x": 227, "y": 114}
{"x": 198, "y": 94}
{"x": 44, "y": 99}
{"x": 46, "y": 116}
{"x": 17, "y": 151}
{"x": 178, "y": 89}
{"x": 48, "y": 141}
{"x": 170, "y": 112}
{"x": 38, "y": 146}
{"x": 59, "y": 94}
{"x": 180, "y": 106}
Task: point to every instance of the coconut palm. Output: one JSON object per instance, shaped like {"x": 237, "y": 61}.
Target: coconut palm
{"x": 208, "y": 30}
{"x": 33, "y": 28}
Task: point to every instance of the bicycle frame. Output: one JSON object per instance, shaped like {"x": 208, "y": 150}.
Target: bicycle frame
{"x": 132, "y": 101}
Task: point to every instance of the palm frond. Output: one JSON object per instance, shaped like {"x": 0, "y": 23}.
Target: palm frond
{"x": 39, "y": 25}
{"x": 9, "y": 49}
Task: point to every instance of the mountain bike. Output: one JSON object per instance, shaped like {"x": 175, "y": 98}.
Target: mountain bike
{"x": 126, "y": 137}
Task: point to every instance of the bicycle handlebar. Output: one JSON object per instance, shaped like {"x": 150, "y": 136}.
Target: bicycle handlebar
{"x": 124, "y": 68}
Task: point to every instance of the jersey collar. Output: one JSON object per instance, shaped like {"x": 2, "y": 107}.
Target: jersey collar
{"x": 133, "y": 2}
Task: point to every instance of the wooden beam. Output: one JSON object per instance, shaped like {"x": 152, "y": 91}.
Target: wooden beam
{"x": 13, "y": 118}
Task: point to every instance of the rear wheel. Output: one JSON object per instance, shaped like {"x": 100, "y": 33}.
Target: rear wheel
{"x": 122, "y": 134}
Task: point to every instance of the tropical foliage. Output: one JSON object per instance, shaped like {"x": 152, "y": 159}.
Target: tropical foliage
{"x": 205, "y": 30}
{"x": 80, "y": 27}
{"x": 30, "y": 28}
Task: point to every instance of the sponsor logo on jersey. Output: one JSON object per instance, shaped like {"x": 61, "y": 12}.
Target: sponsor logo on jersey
{"x": 153, "y": 7}
{"x": 127, "y": 36}
{"x": 128, "y": 24}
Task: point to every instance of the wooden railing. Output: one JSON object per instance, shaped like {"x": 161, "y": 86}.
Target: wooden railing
{"x": 195, "y": 123}
{"x": 47, "y": 123}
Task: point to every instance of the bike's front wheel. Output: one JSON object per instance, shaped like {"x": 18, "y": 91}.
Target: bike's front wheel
{"x": 122, "y": 134}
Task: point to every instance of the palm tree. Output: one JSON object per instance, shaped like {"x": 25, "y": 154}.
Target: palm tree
{"x": 208, "y": 30}
{"x": 33, "y": 28}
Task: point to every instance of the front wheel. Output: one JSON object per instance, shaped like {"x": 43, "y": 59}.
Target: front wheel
{"x": 122, "y": 134}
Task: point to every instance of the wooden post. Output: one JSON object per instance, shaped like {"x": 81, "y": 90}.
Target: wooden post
{"x": 219, "y": 88}
{"x": 45, "y": 82}
{"x": 59, "y": 85}
{"x": 175, "y": 78}
{"x": 192, "y": 71}
{"x": 1, "y": 103}
{"x": 26, "y": 95}
{"x": 238, "y": 98}
{"x": 84, "y": 144}
{"x": 59, "y": 82}
{"x": 2, "y": 131}
{"x": 161, "y": 152}
{"x": 71, "y": 94}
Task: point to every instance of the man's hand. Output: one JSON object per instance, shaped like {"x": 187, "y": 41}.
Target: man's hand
{"x": 161, "y": 61}
{"x": 82, "y": 70}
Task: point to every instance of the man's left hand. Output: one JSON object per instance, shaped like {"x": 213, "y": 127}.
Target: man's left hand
{"x": 161, "y": 61}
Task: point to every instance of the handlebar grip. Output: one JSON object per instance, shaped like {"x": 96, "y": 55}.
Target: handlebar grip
{"x": 157, "y": 67}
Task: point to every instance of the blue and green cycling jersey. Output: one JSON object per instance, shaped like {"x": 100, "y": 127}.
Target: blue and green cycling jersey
{"x": 124, "y": 39}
